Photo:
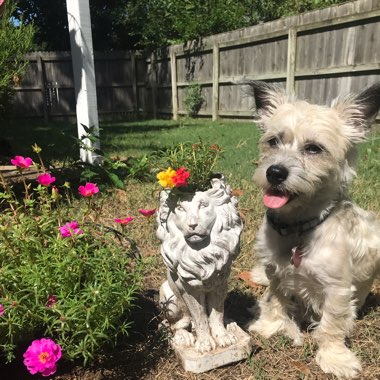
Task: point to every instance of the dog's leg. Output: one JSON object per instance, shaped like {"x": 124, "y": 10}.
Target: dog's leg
{"x": 215, "y": 302}
{"x": 259, "y": 276}
{"x": 336, "y": 323}
{"x": 271, "y": 317}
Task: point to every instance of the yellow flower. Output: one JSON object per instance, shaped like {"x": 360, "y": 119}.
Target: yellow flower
{"x": 165, "y": 178}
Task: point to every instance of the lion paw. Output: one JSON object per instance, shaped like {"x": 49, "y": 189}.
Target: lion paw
{"x": 225, "y": 338}
{"x": 183, "y": 338}
{"x": 205, "y": 344}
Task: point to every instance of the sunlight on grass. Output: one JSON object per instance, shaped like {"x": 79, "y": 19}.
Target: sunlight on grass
{"x": 238, "y": 139}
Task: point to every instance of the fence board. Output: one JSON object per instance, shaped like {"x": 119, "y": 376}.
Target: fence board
{"x": 319, "y": 54}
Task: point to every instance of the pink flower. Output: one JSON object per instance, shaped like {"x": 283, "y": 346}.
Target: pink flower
{"x": 22, "y": 162}
{"x": 1, "y": 309}
{"x": 181, "y": 176}
{"x": 147, "y": 212}
{"x": 70, "y": 229}
{"x": 52, "y": 300}
{"x": 123, "y": 221}
{"x": 42, "y": 356}
{"x": 88, "y": 190}
{"x": 45, "y": 179}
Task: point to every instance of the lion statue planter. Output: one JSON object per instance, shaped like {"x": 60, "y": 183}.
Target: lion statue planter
{"x": 200, "y": 234}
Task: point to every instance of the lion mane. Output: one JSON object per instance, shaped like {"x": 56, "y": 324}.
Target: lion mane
{"x": 199, "y": 266}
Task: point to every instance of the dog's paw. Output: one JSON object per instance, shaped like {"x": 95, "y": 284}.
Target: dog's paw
{"x": 339, "y": 360}
{"x": 264, "y": 327}
{"x": 259, "y": 276}
{"x": 183, "y": 338}
{"x": 205, "y": 344}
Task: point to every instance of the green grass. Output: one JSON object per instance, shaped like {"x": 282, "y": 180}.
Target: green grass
{"x": 136, "y": 138}
{"x": 238, "y": 139}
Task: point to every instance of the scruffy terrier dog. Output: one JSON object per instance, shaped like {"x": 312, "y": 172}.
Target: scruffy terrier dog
{"x": 317, "y": 252}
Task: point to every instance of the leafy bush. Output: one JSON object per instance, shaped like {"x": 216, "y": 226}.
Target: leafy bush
{"x": 62, "y": 274}
{"x": 195, "y": 160}
{"x": 15, "y": 41}
{"x": 193, "y": 99}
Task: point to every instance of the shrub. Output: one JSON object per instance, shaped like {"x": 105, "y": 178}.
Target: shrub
{"x": 62, "y": 274}
{"x": 15, "y": 41}
{"x": 193, "y": 99}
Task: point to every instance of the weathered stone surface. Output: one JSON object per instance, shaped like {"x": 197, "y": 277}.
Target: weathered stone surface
{"x": 193, "y": 361}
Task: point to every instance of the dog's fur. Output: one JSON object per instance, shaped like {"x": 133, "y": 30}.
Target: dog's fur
{"x": 307, "y": 156}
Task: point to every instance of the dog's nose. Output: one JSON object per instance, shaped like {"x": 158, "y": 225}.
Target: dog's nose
{"x": 277, "y": 174}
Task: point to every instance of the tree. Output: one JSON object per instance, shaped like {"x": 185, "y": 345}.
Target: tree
{"x": 15, "y": 41}
{"x": 50, "y": 17}
{"x": 120, "y": 25}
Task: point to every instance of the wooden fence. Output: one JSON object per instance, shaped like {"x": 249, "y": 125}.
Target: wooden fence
{"x": 316, "y": 55}
{"x": 47, "y": 89}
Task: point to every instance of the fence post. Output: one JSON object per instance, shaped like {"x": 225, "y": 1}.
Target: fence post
{"x": 215, "y": 81}
{"x": 153, "y": 83}
{"x": 173, "y": 70}
{"x": 41, "y": 71}
{"x": 134, "y": 83}
{"x": 291, "y": 62}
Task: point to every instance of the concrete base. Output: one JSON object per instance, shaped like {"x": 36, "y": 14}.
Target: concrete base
{"x": 193, "y": 361}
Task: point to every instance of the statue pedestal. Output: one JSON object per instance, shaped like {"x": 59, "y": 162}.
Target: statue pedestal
{"x": 193, "y": 361}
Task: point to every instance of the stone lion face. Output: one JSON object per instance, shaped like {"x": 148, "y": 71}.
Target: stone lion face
{"x": 195, "y": 216}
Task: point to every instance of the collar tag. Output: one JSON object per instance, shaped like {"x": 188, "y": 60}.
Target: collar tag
{"x": 296, "y": 256}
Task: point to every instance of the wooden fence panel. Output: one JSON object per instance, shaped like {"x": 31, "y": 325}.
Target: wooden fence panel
{"x": 317, "y": 55}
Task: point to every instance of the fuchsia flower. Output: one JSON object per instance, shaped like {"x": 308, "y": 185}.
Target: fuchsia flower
{"x": 147, "y": 212}
{"x": 123, "y": 221}
{"x": 1, "y": 309}
{"x": 22, "y": 162}
{"x": 88, "y": 190}
{"x": 70, "y": 229}
{"x": 181, "y": 177}
{"x": 52, "y": 300}
{"x": 42, "y": 356}
{"x": 45, "y": 179}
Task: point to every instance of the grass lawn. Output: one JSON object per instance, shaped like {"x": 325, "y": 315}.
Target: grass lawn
{"x": 149, "y": 357}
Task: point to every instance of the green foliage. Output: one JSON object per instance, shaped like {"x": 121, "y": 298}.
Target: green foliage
{"x": 93, "y": 277}
{"x": 15, "y": 41}
{"x": 198, "y": 159}
{"x": 104, "y": 169}
{"x": 193, "y": 99}
{"x": 155, "y": 23}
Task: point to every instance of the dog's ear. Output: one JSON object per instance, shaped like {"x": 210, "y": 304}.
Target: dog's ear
{"x": 369, "y": 103}
{"x": 267, "y": 96}
{"x": 359, "y": 111}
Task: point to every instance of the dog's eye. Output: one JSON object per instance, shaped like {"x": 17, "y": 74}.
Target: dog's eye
{"x": 273, "y": 142}
{"x": 313, "y": 149}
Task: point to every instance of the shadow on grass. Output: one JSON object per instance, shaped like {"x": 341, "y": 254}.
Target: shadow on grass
{"x": 56, "y": 140}
{"x": 139, "y": 126}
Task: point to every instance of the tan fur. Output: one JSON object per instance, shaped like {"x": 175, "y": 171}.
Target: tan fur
{"x": 341, "y": 255}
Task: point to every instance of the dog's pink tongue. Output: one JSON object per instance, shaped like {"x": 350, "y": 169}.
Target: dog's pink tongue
{"x": 275, "y": 199}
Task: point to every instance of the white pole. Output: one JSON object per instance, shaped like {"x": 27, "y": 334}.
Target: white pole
{"x": 78, "y": 14}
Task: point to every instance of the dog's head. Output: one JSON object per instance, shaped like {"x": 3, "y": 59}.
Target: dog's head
{"x": 307, "y": 151}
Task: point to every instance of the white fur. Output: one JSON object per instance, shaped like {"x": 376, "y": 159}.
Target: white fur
{"x": 341, "y": 256}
